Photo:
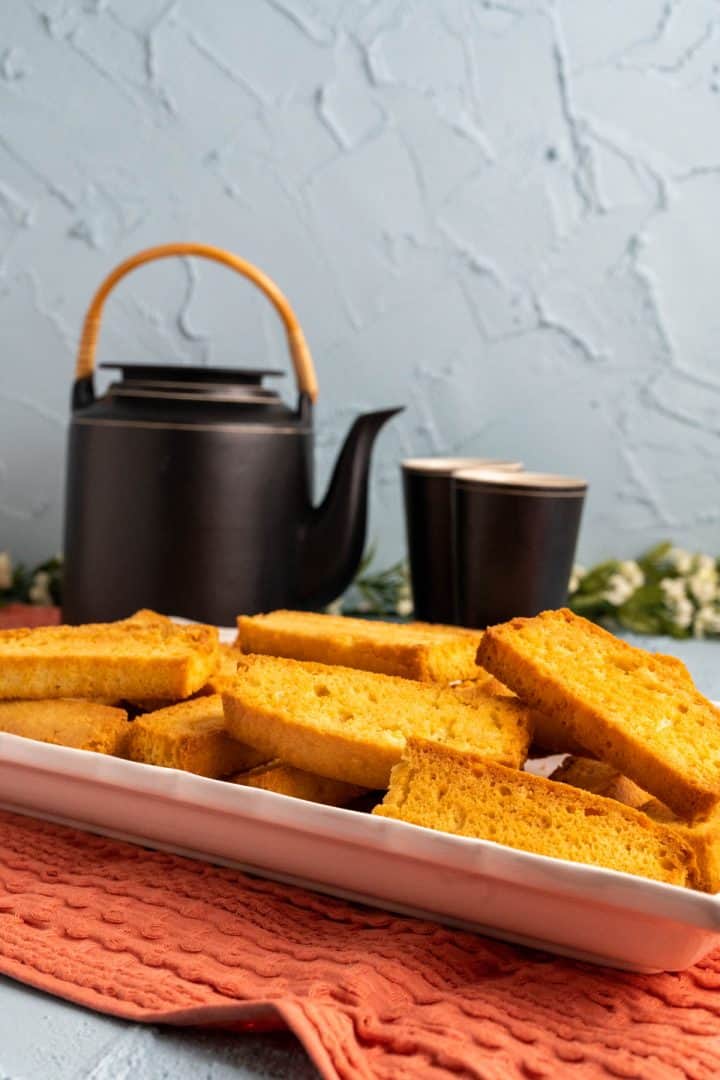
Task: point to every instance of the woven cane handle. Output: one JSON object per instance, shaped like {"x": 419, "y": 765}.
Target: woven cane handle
{"x": 299, "y": 351}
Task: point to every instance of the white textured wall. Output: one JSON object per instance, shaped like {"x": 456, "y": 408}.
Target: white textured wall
{"x": 503, "y": 214}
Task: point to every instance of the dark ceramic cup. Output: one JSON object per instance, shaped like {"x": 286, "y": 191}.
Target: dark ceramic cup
{"x": 428, "y": 496}
{"x": 515, "y": 538}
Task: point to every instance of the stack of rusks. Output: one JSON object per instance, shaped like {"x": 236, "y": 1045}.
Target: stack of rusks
{"x": 429, "y": 724}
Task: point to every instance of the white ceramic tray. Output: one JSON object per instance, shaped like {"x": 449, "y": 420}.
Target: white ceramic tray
{"x": 580, "y": 911}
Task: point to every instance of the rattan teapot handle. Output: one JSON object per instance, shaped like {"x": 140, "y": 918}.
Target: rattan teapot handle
{"x": 299, "y": 351}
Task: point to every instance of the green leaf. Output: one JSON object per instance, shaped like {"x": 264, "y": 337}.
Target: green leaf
{"x": 640, "y": 622}
{"x": 648, "y": 595}
{"x": 656, "y": 555}
{"x": 589, "y": 606}
{"x": 596, "y": 580}
{"x": 367, "y": 559}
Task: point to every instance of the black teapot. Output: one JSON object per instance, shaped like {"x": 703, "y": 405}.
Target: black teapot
{"x": 190, "y": 489}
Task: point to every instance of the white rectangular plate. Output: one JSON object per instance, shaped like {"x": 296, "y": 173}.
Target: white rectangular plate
{"x": 568, "y": 908}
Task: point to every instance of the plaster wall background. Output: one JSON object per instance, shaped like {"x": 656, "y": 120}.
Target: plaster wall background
{"x": 503, "y": 214}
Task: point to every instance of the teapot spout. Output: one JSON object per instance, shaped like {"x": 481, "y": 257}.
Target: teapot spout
{"x": 334, "y": 539}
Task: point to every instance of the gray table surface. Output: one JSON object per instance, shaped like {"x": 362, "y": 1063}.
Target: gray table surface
{"x": 42, "y": 1038}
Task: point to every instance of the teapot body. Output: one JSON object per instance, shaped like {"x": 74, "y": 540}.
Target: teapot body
{"x": 200, "y": 523}
{"x": 194, "y": 514}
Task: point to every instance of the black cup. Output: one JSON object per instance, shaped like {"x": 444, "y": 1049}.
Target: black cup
{"x": 515, "y": 538}
{"x": 428, "y": 495}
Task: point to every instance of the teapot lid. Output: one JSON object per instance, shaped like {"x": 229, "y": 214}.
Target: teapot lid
{"x": 187, "y": 374}
{"x": 178, "y": 382}
{"x": 190, "y": 394}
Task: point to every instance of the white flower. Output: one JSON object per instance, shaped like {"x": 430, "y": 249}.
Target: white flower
{"x": 673, "y": 591}
{"x": 705, "y": 565}
{"x": 683, "y": 614}
{"x": 703, "y": 585}
{"x": 404, "y": 607}
{"x": 632, "y": 573}
{"x": 39, "y": 592}
{"x": 618, "y": 589}
{"x": 578, "y": 573}
{"x": 679, "y": 605}
{"x": 681, "y": 559}
{"x": 706, "y": 621}
{"x": 335, "y": 608}
{"x": 6, "y": 570}
{"x": 622, "y": 584}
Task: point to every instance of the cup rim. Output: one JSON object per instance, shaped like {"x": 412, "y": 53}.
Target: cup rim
{"x": 521, "y": 480}
{"x": 448, "y": 466}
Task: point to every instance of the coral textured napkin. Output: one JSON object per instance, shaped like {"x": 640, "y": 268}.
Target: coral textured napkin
{"x": 13, "y": 616}
{"x": 155, "y": 937}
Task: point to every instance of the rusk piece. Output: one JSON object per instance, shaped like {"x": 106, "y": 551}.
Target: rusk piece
{"x": 226, "y": 669}
{"x": 549, "y": 736}
{"x": 703, "y": 838}
{"x": 115, "y": 661}
{"x": 148, "y": 617}
{"x": 624, "y": 705}
{"x": 414, "y": 650}
{"x": 600, "y": 779}
{"x": 285, "y": 779}
{"x": 553, "y": 737}
{"x": 190, "y": 736}
{"x": 84, "y": 725}
{"x": 439, "y": 788}
{"x": 352, "y": 725}
{"x": 470, "y": 689}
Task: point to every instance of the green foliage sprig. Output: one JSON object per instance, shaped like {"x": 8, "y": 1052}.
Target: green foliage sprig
{"x": 668, "y": 590}
{"x": 41, "y": 585}
{"x": 379, "y": 592}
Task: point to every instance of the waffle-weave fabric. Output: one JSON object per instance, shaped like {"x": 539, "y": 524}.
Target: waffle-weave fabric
{"x": 158, "y": 938}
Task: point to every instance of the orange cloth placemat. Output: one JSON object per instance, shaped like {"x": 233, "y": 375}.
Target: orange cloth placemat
{"x": 16, "y": 616}
{"x": 158, "y": 938}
